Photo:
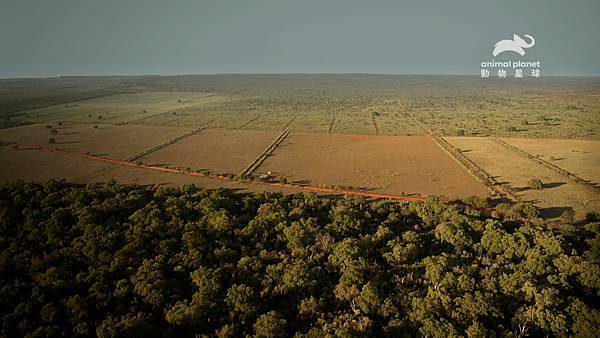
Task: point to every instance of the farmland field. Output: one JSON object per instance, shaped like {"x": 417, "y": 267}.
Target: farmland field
{"x": 409, "y": 165}
{"x": 217, "y": 150}
{"x": 32, "y": 165}
{"x": 580, "y": 157}
{"x": 349, "y": 133}
{"x": 558, "y": 193}
{"x": 107, "y": 140}
{"x": 119, "y": 108}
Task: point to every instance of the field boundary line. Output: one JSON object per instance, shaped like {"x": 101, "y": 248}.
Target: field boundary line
{"x": 171, "y": 141}
{"x": 260, "y": 159}
{"x": 471, "y": 167}
{"x": 164, "y": 144}
{"x": 177, "y": 119}
{"x": 331, "y": 124}
{"x": 150, "y": 116}
{"x": 569, "y": 175}
{"x": 375, "y": 124}
{"x": 289, "y": 123}
{"x": 162, "y": 113}
{"x": 251, "y": 120}
{"x": 224, "y": 178}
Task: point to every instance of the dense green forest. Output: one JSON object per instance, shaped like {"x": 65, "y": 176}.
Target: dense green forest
{"x": 113, "y": 260}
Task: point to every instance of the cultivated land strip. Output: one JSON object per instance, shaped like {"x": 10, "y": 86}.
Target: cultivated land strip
{"x": 151, "y": 116}
{"x": 259, "y": 160}
{"x": 569, "y": 175}
{"x": 220, "y": 177}
{"x": 471, "y": 167}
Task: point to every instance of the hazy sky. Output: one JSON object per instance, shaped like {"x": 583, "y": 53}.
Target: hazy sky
{"x": 103, "y": 37}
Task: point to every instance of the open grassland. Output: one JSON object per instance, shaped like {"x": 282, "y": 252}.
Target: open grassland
{"x": 119, "y": 108}
{"x": 557, "y": 194}
{"x": 580, "y": 157}
{"x": 361, "y": 104}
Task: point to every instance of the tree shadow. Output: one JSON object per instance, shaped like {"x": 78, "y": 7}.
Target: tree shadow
{"x": 301, "y": 182}
{"x": 553, "y": 212}
{"x": 158, "y": 164}
{"x": 362, "y": 189}
{"x": 67, "y": 142}
{"x": 553, "y": 185}
{"x": 544, "y": 186}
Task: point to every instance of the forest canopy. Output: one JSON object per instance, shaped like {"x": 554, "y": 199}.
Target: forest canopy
{"x": 113, "y": 260}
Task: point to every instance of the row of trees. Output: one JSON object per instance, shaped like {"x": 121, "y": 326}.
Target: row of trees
{"x": 113, "y": 260}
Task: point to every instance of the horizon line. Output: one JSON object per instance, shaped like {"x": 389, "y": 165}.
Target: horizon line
{"x": 277, "y": 73}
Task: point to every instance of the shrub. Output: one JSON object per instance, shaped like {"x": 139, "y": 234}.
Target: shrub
{"x": 51, "y": 141}
{"x": 535, "y": 183}
{"x": 591, "y": 217}
{"x": 567, "y": 216}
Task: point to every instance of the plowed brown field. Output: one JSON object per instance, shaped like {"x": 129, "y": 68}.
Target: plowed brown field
{"x": 388, "y": 164}
{"x": 216, "y": 150}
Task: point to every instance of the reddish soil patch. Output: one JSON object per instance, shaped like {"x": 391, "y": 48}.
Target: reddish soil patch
{"x": 36, "y": 166}
{"x": 386, "y": 164}
{"x": 40, "y": 166}
{"x": 215, "y": 150}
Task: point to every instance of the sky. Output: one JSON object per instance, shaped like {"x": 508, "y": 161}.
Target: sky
{"x": 41, "y": 38}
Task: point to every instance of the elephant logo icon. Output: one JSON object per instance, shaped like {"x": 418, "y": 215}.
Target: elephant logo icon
{"x": 517, "y": 45}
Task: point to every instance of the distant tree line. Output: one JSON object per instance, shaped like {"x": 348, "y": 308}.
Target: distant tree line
{"x": 113, "y": 260}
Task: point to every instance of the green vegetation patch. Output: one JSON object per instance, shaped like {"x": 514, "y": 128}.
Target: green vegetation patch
{"x": 113, "y": 260}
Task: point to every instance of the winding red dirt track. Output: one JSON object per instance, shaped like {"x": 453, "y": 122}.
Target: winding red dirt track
{"x": 175, "y": 171}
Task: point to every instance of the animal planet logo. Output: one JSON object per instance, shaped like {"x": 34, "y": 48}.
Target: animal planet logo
{"x": 517, "y": 45}
{"x": 520, "y": 67}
